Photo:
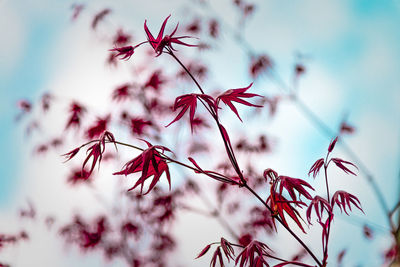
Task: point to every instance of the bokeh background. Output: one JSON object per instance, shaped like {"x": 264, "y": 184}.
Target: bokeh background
{"x": 351, "y": 50}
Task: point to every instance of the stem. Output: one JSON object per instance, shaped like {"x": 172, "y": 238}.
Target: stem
{"x": 326, "y": 163}
{"x": 187, "y": 71}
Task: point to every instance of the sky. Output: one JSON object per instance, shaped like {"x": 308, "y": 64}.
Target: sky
{"x": 352, "y": 53}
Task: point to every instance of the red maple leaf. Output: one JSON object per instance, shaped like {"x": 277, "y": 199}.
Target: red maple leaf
{"x": 320, "y": 205}
{"x": 161, "y": 41}
{"x": 332, "y": 144}
{"x": 204, "y": 251}
{"x": 124, "y": 52}
{"x": 150, "y": 163}
{"x": 96, "y": 152}
{"x": 190, "y": 101}
{"x": 292, "y": 184}
{"x": 254, "y": 254}
{"x": 316, "y": 167}
{"x": 236, "y": 95}
{"x": 340, "y": 163}
{"x": 280, "y": 205}
{"x": 342, "y": 199}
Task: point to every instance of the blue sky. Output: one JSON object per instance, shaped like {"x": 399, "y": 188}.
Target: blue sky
{"x": 354, "y": 68}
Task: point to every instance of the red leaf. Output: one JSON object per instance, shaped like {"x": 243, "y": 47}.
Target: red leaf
{"x": 342, "y": 198}
{"x": 292, "y": 184}
{"x": 190, "y": 101}
{"x": 316, "y": 167}
{"x": 150, "y": 163}
{"x": 320, "y": 204}
{"x": 217, "y": 256}
{"x": 253, "y": 253}
{"x": 204, "y": 251}
{"x": 71, "y": 154}
{"x": 340, "y": 163}
{"x": 236, "y": 95}
{"x": 161, "y": 41}
{"x": 227, "y": 249}
{"x": 281, "y": 205}
{"x": 95, "y": 152}
{"x": 332, "y": 144}
{"x": 124, "y": 52}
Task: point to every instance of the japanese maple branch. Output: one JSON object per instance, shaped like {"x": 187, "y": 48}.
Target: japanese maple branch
{"x": 235, "y": 164}
{"x": 328, "y": 132}
{"x": 187, "y": 71}
{"x": 220, "y": 177}
{"x": 311, "y": 116}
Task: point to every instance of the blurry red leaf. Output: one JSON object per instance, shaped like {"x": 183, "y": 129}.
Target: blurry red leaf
{"x": 100, "y": 16}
